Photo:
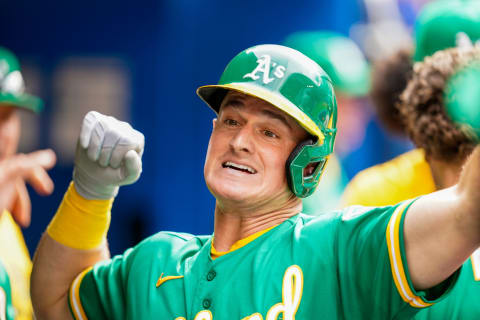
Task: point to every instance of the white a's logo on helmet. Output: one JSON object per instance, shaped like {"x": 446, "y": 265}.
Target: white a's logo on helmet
{"x": 264, "y": 65}
{"x": 462, "y": 40}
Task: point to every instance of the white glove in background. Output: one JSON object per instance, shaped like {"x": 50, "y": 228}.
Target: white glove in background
{"x": 109, "y": 155}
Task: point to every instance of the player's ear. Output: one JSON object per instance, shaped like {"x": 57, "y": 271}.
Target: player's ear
{"x": 214, "y": 122}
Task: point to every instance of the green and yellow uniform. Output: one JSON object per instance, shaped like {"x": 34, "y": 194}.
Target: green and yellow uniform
{"x": 344, "y": 265}
{"x": 402, "y": 178}
{"x": 17, "y": 263}
{"x": 15, "y": 256}
{"x": 6, "y": 309}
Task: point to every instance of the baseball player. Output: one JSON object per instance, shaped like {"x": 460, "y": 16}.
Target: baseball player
{"x": 446, "y": 148}
{"x": 440, "y": 25}
{"x": 15, "y": 171}
{"x": 442, "y": 147}
{"x": 275, "y": 127}
{"x": 389, "y": 78}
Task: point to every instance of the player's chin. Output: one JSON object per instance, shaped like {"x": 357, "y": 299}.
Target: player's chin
{"x": 235, "y": 192}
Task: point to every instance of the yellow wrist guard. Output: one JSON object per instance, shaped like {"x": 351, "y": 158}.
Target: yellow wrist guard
{"x": 80, "y": 223}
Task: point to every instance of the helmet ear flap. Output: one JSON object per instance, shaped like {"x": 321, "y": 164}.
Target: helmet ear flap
{"x": 292, "y": 156}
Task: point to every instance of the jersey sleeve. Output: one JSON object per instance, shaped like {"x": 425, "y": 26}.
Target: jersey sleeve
{"x": 123, "y": 287}
{"x": 99, "y": 292}
{"x": 373, "y": 271}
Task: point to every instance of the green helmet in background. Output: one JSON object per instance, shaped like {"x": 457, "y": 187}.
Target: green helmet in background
{"x": 294, "y": 84}
{"x": 12, "y": 86}
{"x": 339, "y": 56}
{"x": 462, "y": 97}
{"x": 444, "y": 24}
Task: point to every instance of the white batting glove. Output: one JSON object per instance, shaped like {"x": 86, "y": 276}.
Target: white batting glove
{"x": 109, "y": 155}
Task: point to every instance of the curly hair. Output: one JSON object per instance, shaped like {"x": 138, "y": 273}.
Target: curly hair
{"x": 389, "y": 78}
{"x": 422, "y": 108}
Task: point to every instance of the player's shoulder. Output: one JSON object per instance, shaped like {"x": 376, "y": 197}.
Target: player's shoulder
{"x": 173, "y": 240}
{"x": 326, "y": 227}
{"x": 391, "y": 169}
{"x": 345, "y": 214}
{"x": 169, "y": 244}
{"x": 394, "y": 169}
{"x": 406, "y": 176}
{"x": 323, "y": 224}
{"x": 349, "y": 215}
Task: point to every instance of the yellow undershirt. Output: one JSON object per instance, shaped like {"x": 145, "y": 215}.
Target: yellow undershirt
{"x": 16, "y": 259}
{"x": 404, "y": 177}
{"x": 240, "y": 243}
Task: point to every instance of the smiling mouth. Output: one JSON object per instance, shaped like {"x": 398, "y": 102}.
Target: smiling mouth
{"x": 239, "y": 167}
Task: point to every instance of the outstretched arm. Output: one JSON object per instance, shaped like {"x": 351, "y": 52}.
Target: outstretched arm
{"x": 108, "y": 155}
{"x": 442, "y": 229}
{"x": 15, "y": 172}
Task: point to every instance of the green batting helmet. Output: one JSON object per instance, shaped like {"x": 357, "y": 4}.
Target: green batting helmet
{"x": 441, "y": 24}
{"x": 338, "y": 55}
{"x": 461, "y": 99}
{"x": 12, "y": 86}
{"x": 294, "y": 84}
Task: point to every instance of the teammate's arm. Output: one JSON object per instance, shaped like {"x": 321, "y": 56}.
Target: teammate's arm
{"x": 19, "y": 169}
{"x": 108, "y": 155}
{"x": 442, "y": 229}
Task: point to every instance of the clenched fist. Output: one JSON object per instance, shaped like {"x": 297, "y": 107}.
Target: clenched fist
{"x": 109, "y": 155}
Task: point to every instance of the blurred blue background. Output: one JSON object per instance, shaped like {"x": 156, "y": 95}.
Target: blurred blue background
{"x": 142, "y": 61}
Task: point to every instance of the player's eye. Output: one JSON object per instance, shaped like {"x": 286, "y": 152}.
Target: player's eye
{"x": 270, "y": 134}
{"x": 230, "y": 122}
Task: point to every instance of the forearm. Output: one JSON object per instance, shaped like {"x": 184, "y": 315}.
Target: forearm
{"x": 74, "y": 241}
{"x": 442, "y": 229}
{"x": 55, "y": 267}
{"x": 108, "y": 155}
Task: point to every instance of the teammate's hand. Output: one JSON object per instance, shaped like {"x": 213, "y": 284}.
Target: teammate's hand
{"x": 109, "y": 155}
{"x": 19, "y": 169}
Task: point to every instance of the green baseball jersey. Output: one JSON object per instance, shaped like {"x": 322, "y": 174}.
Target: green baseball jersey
{"x": 7, "y": 311}
{"x": 463, "y": 302}
{"x": 344, "y": 265}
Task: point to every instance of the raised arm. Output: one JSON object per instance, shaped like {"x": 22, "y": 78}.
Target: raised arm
{"x": 443, "y": 229}
{"x": 108, "y": 155}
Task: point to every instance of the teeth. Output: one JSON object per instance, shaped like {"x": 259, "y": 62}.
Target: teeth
{"x": 239, "y": 166}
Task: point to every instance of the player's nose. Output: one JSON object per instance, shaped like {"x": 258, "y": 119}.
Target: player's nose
{"x": 242, "y": 140}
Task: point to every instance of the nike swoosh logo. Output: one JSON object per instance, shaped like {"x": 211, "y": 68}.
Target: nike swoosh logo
{"x": 162, "y": 279}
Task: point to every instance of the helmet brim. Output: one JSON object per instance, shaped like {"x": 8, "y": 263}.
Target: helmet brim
{"x": 24, "y": 100}
{"x": 214, "y": 94}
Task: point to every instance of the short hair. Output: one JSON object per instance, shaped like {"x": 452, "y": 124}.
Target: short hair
{"x": 389, "y": 78}
{"x": 422, "y": 106}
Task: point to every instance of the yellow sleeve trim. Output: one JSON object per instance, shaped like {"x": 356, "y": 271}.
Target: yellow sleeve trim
{"x": 398, "y": 270}
{"x": 74, "y": 296}
{"x": 80, "y": 223}
{"x": 475, "y": 258}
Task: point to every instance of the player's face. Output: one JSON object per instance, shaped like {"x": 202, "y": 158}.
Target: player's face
{"x": 248, "y": 149}
{"x": 9, "y": 131}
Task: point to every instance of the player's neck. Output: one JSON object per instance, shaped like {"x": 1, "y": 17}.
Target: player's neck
{"x": 232, "y": 226}
{"x": 445, "y": 174}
